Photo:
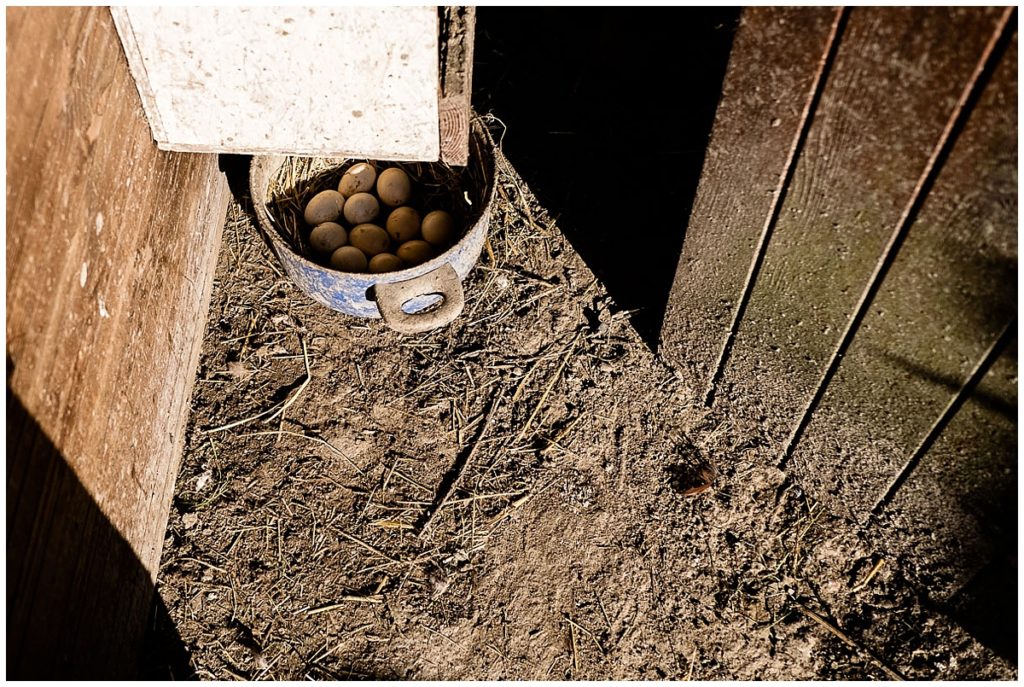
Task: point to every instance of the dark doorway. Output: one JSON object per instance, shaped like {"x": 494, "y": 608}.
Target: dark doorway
{"x": 609, "y": 112}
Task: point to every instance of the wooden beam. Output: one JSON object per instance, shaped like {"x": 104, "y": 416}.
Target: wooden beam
{"x": 458, "y": 27}
{"x": 111, "y": 246}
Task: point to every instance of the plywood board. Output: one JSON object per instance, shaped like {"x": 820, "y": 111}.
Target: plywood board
{"x": 111, "y": 246}
{"x": 950, "y": 292}
{"x": 345, "y": 81}
{"x": 894, "y": 87}
{"x": 776, "y": 62}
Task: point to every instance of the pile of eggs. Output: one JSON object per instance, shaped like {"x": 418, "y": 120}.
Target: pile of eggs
{"x": 403, "y": 239}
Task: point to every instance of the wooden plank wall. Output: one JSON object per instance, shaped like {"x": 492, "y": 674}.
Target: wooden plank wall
{"x": 944, "y": 302}
{"x": 883, "y": 112}
{"x": 853, "y": 314}
{"x": 111, "y": 246}
{"x": 778, "y": 60}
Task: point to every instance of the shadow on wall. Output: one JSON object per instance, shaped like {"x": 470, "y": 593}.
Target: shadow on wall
{"x": 78, "y": 599}
{"x": 609, "y": 112}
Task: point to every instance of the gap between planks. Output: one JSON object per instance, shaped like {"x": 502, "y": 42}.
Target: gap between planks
{"x": 977, "y": 374}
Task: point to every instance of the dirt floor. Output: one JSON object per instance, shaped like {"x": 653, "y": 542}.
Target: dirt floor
{"x": 601, "y": 525}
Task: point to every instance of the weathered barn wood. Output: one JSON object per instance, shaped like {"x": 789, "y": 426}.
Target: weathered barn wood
{"x": 946, "y": 298}
{"x": 894, "y": 88}
{"x": 110, "y": 252}
{"x": 958, "y": 507}
{"x": 778, "y": 59}
{"x": 458, "y": 26}
{"x": 871, "y": 345}
{"x": 334, "y": 81}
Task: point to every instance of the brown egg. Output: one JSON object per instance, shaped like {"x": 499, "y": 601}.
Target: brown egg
{"x": 403, "y": 224}
{"x": 361, "y": 208}
{"x": 438, "y": 227}
{"x": 359, "y": 178}
{"x": 394, "y": 187}
{"x": 369, "y": 238}
{"x": 415, "y": 252}
{"x": 328, "y": 237}
{"x": 348, "y": 259}
{"x": 385, "y": 262}
{"x": 325, "y": 206}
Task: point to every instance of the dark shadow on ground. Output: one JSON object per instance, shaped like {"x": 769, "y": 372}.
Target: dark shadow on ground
{"x": 608, "y": 113}
{"x": 78, "y": 598}
{"x": 987, "y": 605}
{"x": 236, "y": 169}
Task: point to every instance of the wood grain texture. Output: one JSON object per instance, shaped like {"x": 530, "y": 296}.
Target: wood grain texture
{"x": 958, "y": 511}
{"x": 776, "y": 59}
{"x": 331, "y": 81}
{"x": 946, "y": 299}
{"x": 896, "y": 82}
{"x": 458, "y": 28}
{"x": 111, "y": 245}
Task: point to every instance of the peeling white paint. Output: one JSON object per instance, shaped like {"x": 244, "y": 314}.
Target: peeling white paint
{"x": 84, "y": 275}
{"x": 99, "y": 223}
{"x": 103, "y": 309}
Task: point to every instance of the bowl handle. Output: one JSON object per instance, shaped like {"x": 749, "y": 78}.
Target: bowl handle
{"x": 443, "y": 281}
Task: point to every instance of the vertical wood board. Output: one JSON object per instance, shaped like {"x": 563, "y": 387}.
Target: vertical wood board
{"x": 458, "y": 25}
{"x": 332, "y": 81}
{"x": 895, "y": 83}
{"x": 947, "y": 297}
{"x": 775, "y": 62}
{"x": 111, "y": 245}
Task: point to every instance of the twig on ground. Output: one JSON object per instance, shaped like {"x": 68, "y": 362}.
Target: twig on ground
{"x": 871, "y": 576}
{"x": 553, "y": 443}
{"x": 318, "y": 440}
{"x": 211, "y": 566}
{"x": 892, "y": 674}
{"x": 693, "y": 662}
{"x": 517, "y": 503}
{"x": 392, "y": 525}
{"x": 278, "y": 409}
{"x": 435, "y": 632}
{"x": 372, "y": 599}
{"x": 442, "y": 499}
{"x": 587, "y": 633}
{"x": 369, "y": 548}
{"x": 572, "y": 644}
{"x": 551, "y": 385}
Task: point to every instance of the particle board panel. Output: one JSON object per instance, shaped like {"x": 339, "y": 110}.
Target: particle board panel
{"x": 330, "y": 81}
{"x": 111, "y": 246}
{"x": 893, "y": 88}
{"x": 948, "y": 295}
{"x": 776, "y": 61}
